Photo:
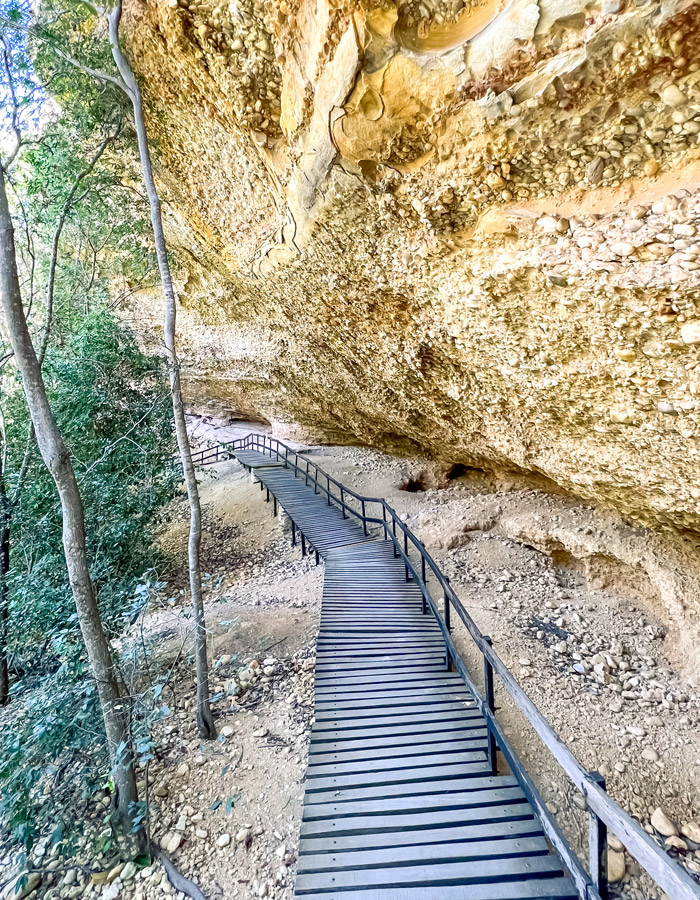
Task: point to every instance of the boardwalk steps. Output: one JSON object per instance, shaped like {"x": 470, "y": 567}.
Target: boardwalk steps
{"x": 401, "y": 802}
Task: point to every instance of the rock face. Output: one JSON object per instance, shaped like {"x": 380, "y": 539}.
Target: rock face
{"x": 466, "y": 228}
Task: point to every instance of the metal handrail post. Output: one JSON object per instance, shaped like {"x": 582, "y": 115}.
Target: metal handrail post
{"x": 597, "y": 845}
{"x": 490, "y": 700}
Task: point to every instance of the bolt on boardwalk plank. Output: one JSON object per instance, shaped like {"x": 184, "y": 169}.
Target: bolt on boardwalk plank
{"x": 400, "y": 801}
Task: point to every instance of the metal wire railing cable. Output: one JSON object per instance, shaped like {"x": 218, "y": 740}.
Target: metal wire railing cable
{"x": 603, "y": 810}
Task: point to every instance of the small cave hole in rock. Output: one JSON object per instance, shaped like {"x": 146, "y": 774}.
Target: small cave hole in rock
{"x": 458, "y": 470}
{"x": 413, "y": 485}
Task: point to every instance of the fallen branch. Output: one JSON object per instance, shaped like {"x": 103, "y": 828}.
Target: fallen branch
{"x": 178, "y": 881}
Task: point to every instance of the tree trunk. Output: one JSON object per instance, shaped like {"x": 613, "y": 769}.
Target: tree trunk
{"x": 205, "y": 720}
{"x": 5, "y": 516}
{"x": 57, "y": 459}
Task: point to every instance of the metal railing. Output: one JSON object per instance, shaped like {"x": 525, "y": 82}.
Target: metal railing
{"x": 208, "y": 456}
{"x": 604, "y": 812}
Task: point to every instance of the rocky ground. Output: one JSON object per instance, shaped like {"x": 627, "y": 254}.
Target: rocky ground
{"x": 589, "y": 651}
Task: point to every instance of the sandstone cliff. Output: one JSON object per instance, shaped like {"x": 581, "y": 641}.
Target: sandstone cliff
{"x": 468, "y": 228}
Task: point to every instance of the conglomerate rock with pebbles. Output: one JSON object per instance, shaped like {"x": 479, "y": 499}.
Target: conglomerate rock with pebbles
{"x": 468, "y": 229}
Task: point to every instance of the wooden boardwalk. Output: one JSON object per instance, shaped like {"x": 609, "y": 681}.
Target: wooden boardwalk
{"x": 400, "y": 802}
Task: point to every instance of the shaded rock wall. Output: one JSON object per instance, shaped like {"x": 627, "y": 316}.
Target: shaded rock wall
{"x": 465, "y": 228}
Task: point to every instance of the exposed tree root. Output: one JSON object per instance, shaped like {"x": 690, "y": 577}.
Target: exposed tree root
{"x": 178, "y": 881}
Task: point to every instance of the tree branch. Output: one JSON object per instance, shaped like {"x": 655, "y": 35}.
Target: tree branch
{"x": 94, "y": 73}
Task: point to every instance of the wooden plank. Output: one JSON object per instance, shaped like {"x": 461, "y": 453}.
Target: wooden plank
{"x": 388, "y": 744}
{"x": 422, "y": 853}
{"x": 403, "y": 805}
{"x": 416, "y": 820}
{"x": 467, "y": 872}
{"x": 408, "y": 726}
{"x": 427, "y": 760}
{"x": 503, "y": 828}
{"x": 402, "y": 702}
{"x": 532, "y": 889}
{"x": 477, "y": 741}
{"x": 413, "y": 789}
{"x": 362, "y": 687}
{"x": 476, "y": 766}
{"x": 435, "y": 712}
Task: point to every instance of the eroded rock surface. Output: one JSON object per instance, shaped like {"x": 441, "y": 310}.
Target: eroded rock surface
{"x": 465, "y": 228}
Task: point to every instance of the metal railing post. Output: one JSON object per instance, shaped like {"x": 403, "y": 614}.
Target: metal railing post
{"x": 490, "y": 699}
{"x": 303, "y": 544}
{"x": 294, "y": 534}
{"x": 364, "y": 520}
{"x": 422, "y": 574}
{"x": 405, "y": 550}
{"x": 393, "y": 529}
{"x": 274, "y": 507}
{"x": 328, "y": 488}
{"x": 447, "y": 608}
{"x": 342, "y": 501}
{"x": 597, "y": 845}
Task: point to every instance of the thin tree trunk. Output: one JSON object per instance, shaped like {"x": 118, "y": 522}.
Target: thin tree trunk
{"x": 57, "y": 459}
{"x": 205, "y": 720}
{"x": 5, "y": 516}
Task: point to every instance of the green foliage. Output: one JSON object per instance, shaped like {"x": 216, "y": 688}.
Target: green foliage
{"x": 110, "y": 400}
{"x": 114, "y": 411}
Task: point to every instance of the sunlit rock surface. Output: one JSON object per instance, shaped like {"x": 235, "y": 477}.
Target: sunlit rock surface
{"x": 470, "y": 229}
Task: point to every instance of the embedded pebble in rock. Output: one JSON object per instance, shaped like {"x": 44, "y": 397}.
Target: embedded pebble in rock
{"x": 672, "y": 95}
{"x": 661, "y": 822}
{"x": 223, "y": 840}
{"x": 622, "y": 248}
{"x": 690, "y": 332}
